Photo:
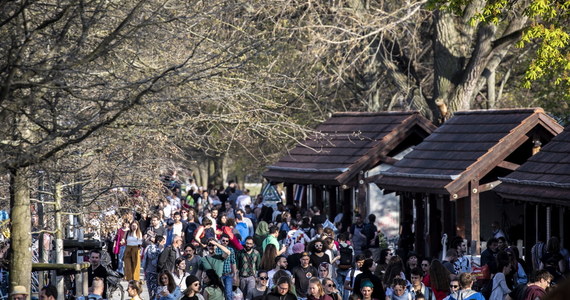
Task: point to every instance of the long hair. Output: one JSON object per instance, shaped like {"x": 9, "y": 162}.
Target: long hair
{"x": 137, "y": 286}
{"x": 268, "y": 258}
{"x": 395, "y": 268}
{"x": 171, "y": 284}
{"x": 439, "y": 276}
{"x": 281, "y": 280}
{"x": 319, "y": 285}
{"x": 177, "y": 262}
{"x": 215, "y": 280}
{"x": 383, "y": 253}
{"x": 137, "y": 233}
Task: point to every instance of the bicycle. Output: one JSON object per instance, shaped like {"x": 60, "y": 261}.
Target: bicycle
{"x": 114, "y": 288}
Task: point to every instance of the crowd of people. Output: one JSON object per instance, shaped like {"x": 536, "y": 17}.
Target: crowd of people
{"x": 227, "y": 245}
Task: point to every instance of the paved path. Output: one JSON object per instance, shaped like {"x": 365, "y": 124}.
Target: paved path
{"x": 125, "y": 283}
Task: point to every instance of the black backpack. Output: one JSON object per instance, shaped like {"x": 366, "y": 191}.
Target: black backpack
{"x": 345, "y": 261}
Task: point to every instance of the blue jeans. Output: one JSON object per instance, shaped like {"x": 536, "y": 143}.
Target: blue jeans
{"x": 228, "y": 285}
{"x": 120, "y": 260}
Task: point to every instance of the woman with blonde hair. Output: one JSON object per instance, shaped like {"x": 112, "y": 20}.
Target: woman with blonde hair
{"x": 135, "y": 289}
{"x": 330, "y": 289}
{"x": 316, "y": 290}
{"x": 132, "y": 260}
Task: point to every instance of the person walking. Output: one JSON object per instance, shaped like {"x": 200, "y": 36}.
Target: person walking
{"x": 192, "y": 291}
{"x": 282, "y": 289}
{"x": 316, "y": 290}
{"x": 302, "y": 274}
{"x": 150, "y": 264}
{"x": 248, "y": 261}
{"x": 119, "y": 247}
{"x": 229, "y": 270}
{"x": 180, "y": 273}
{"x": 167, "y": 259}
{"x": 214, "y": 289}
{"x": 167, "y": 288}
{"x": 133, "y": 240}
{"x": 260, "y": 288}
{"x": 466, "y": 281}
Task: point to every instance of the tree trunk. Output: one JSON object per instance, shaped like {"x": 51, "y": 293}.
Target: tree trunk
{"x": 215, "y": 171}
{"x": 21, "y": 259}
{"x": 449, "y": 57}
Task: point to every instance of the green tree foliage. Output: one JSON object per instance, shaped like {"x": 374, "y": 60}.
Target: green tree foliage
{"x": 546, "y": 32}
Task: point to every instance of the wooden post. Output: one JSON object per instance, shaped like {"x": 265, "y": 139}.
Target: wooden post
{"x": 85, "y": 281}
{"x": 419, "y": 225}
{"x": 475, "y": 221}
{"x": 59, "y": 239}
{"x": 289, "y": 193}
{"x": 460, "y": 213}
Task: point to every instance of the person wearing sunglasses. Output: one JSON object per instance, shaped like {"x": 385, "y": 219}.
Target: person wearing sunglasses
{"x": 192, "y": 291}
{"x": 260, "y": 289}
{"x": 453, "y": 290}
{"x": 330, "y": 289}
{"x": 319, "y": 256}
{"x": 466, "y": 281}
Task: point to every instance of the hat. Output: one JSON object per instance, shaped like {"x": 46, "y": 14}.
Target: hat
{"x": 298, "y": 248}
{"x": 367, "y": 283}
{"x": 19, "y": 290}
{"x": 191, "y": 279}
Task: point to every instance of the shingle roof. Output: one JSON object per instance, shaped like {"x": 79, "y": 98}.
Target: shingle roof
{"x": 354, "y": 141}
{"x": 464, "y": 148}
{"x": 545, "y": 177}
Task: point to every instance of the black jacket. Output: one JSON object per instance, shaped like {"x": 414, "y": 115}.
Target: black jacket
{"x": 277, "y": 296}
{"x": 167, "y": 259}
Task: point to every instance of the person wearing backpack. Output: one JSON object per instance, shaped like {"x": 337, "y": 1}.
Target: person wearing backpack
{"x": 417, "y": 287}
{"x": 346, "y": 253}
{"x": 351, "y": 274}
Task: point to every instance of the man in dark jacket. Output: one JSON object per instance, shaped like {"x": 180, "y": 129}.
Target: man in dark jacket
{"x": 167, "y": 258}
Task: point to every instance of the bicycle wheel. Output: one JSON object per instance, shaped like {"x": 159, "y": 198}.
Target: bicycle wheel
{"x": 117, "y": 293}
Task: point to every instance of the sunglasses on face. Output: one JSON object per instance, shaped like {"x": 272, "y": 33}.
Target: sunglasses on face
{"x": 263, "y": 278}
{"x": 453, "y": 286}
{"x": 330, "y": 285}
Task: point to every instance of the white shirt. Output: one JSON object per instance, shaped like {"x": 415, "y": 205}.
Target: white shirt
{"x": 242, "y": 201}
{"x": 177, "y": 229}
